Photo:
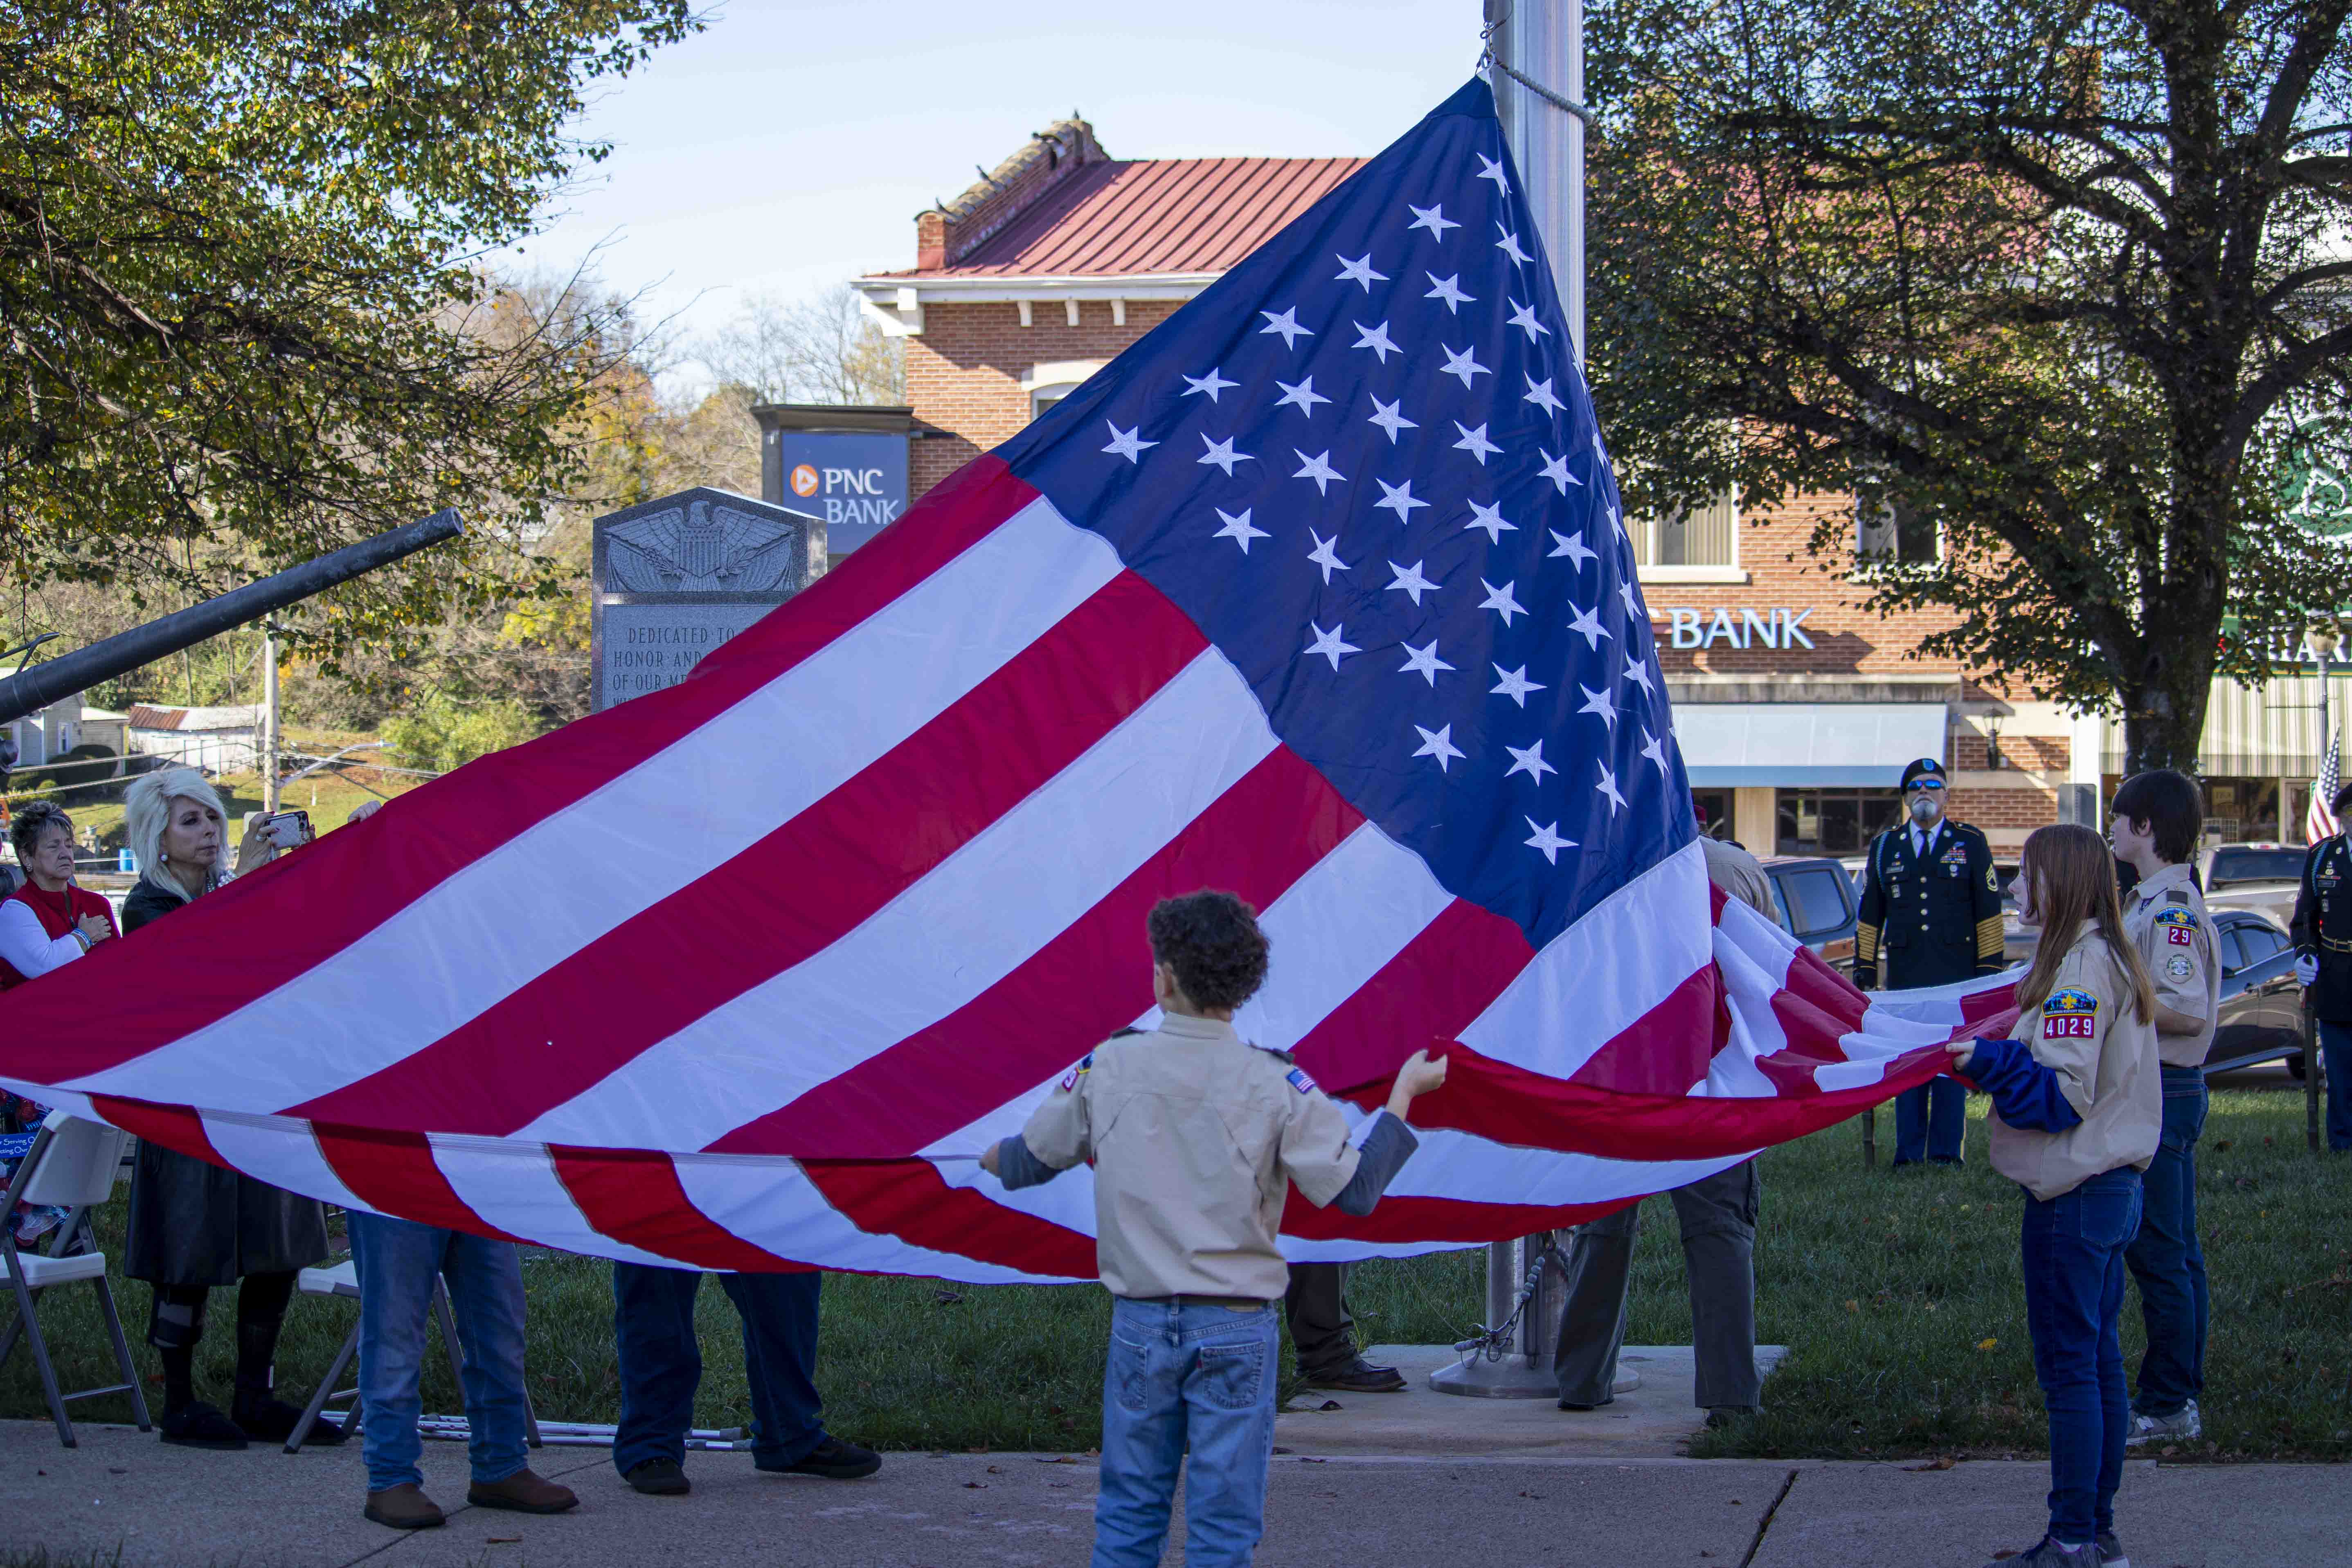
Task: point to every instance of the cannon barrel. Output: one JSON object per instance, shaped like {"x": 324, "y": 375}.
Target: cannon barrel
{"x": 44, "y": 683}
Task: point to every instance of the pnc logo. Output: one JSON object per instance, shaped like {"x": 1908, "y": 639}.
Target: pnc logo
{"x": 804, "y": 480}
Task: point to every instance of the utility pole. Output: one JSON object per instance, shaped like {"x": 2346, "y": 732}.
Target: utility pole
{"x": 269, "y": 738}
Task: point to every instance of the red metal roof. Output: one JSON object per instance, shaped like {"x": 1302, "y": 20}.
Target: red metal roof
{"x": 1152, "y": 215}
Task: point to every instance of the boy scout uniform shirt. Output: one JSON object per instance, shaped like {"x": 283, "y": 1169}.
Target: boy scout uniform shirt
{"x": 1195, "y": 1136}
{"x": 2164, "y": 916}
{"x": 2104, "y": 1056}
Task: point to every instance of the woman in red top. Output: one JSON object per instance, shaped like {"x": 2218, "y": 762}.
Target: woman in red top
{"x": 49, "y": 920}
{"x": 46, "y": 922}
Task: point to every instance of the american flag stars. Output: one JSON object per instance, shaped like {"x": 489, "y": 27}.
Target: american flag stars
{"x": 1420, "y": 380}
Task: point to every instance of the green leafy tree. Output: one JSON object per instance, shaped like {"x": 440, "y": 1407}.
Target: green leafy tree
{"x": 242, "y": 315}
{"x": 2065, "y": 278}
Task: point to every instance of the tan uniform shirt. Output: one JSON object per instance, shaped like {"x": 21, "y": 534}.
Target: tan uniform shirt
{"x": 2104, "y": 1056}
{"x": 2165, "y": 916}
{"x": 1741, "y": 874}
{"x": 1195, "y": 1136}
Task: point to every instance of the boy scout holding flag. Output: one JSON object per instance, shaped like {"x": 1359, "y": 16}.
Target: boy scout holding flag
{"x": 1196, "y": 1138}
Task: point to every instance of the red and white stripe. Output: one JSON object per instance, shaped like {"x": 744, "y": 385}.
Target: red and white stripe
{"x": 744, "y": 974}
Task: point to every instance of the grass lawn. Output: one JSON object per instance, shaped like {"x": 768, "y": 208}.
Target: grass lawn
{"x": 1898, "y": 1299}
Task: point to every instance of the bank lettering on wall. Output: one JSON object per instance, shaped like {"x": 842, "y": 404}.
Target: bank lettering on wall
{"x": 673, "y": 579}
{"x": 1777, "y": 627}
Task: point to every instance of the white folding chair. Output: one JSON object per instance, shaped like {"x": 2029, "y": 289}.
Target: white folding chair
{"x": 72, "y": 1162}
{"x": 344, "y": 1279}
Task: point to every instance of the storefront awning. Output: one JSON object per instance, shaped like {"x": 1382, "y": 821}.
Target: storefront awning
{"x": 1799, "y": 744}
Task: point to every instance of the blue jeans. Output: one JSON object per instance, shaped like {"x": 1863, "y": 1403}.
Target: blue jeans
{"x": 661, "y": 1364}
{"x": 1929, "y": 1122}
{"x": 1175, "y": 1374}
{"x": 2335, "y": 1050}
{"x": 2167, "y": 1259}
{"x": 397, "y": 1259}
{"x": 2074, "y": 1247}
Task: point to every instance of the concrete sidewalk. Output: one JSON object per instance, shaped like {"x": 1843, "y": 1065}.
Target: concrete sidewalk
{"x": 260, "y": 1508}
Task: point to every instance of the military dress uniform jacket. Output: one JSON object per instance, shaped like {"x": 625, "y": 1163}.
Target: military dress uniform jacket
{"x": 1928, "y": 918}
{"x": 2164, "y": 917}
{"x": 2323, "y": 925}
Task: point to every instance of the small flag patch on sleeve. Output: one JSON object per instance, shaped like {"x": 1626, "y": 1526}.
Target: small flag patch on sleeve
{"x": 1299, "y": 1080}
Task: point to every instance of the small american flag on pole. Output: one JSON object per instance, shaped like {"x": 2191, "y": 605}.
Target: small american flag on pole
{"x": 2319, "y": 822}
{"x": 1321, "y": 592}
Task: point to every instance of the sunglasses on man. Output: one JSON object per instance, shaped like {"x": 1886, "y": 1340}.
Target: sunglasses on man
{"x": 1936, "y": 784}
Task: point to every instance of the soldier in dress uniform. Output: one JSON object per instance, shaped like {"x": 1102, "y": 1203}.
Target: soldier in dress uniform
{"x": 2323, "y": 945}
{"x": 1930, "y": 916}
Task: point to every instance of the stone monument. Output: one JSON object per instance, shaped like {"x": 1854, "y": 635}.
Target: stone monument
{"x": 673, "y": 579}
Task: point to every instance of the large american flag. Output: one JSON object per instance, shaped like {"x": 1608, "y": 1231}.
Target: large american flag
{"x": 1320, "y": 593}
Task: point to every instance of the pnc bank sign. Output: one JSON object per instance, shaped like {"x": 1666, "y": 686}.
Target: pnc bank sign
{"x": 859, "y": 496}
{"x": 1698, "y": 628}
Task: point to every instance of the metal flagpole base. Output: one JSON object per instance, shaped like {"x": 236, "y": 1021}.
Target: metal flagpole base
{"x": 1510, "y": 1378}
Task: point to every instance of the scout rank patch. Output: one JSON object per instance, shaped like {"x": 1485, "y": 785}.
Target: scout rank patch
{"x": 1070, "y": 1078}
{"x": 2069, "y": 1015}
{"x": 2176, "y": 966}
{"x": 2180, "y": 925}
{"x": 1299, "y": 1080}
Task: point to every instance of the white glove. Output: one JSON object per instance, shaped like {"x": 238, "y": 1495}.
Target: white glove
{"x": 2306, "y": 970}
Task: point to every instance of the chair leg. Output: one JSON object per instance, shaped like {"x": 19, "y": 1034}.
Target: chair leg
{"x": 530, "y": 1422}
{"x": 122, "y": 1352}
{"x": 326, "y": 1391}
{"x": 25, "y": 1298}
{"x": 442, "y": 1316}
{"x": 8, "y": 1344}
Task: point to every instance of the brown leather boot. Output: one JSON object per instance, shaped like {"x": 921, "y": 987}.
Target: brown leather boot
{"x": 523, "y": 1492}
{"x": 404, "y": 1508}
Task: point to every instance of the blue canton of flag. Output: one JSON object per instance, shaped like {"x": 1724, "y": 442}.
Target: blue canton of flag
{"x": 1365, "y": 463}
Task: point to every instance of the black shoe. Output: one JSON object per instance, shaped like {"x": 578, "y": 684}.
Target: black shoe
{"x": 660, "y": 1477}
{"x": 269, "y": 1419}
{"x": 1721, "y": 1415}
{"x": 201, "y": 1426}
{"x": 1572, "y": 1405}
{"x": 1357, "y": 1376}
{"x": 831, "y": 1458}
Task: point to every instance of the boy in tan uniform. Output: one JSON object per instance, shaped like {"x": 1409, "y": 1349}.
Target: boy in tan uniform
{"x": 2159, "y": 817}
{"x": 1196, "y": 1138}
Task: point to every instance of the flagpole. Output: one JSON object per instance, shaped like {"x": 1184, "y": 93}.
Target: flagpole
{"x": 1541, "y": 40}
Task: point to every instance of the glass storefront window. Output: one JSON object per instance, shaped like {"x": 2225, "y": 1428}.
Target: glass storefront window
{"x": 1832, "y": 821}
{"x": 1713, "y": 808}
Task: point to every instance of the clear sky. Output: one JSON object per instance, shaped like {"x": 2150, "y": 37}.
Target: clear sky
{"x": 790, "y": 145}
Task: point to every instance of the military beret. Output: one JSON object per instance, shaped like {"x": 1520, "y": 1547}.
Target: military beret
{"x": 1925, "y": 768}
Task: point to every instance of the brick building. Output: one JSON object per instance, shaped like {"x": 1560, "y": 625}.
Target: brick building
{"x": 1795, "y": 710}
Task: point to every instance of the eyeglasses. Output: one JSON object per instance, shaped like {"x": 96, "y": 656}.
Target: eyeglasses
{"x": 1928, "y": 783}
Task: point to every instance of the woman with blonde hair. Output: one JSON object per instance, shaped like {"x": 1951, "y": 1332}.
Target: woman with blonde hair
{"x": 195, "y": 1225}
{"x": 2077, "y": 1111}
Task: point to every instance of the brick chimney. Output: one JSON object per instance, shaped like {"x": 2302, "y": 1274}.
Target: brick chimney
{"x": 946, "y": 234}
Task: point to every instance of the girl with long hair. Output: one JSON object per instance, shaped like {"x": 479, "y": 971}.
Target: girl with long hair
{"x": 2076, "y": 1113}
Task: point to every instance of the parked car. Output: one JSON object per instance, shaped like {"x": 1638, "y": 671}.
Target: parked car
{"x": 1817, "y": 903}
{"x": 2261, "y": 1006}
{"x": 2263, "y": 877}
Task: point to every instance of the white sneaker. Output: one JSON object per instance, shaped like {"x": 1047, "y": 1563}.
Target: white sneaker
{"x": 2181, "y": 1426}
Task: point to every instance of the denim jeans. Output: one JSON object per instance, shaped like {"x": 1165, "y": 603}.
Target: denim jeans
{"x": 1930, "y": 1121}
{"x": 2073, "y": 1252}
{"x": 2335, "y": 1050}
{"x": 661, "y": 1364}
{"x": 396, "y": 1259}
{"x": 2167, "y": 1259}
{"x": 1178, "y": 1374}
